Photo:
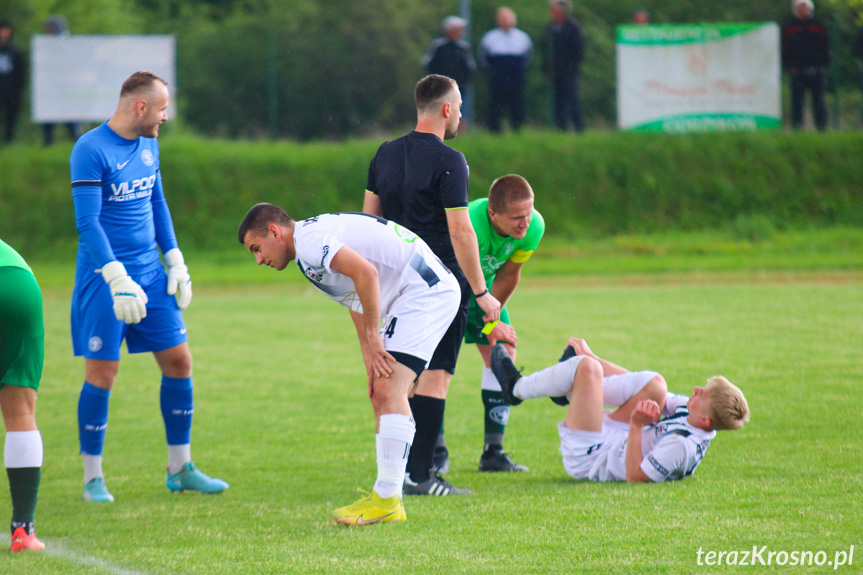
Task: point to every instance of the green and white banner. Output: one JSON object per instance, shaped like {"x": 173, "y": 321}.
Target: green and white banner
{"x": 698, "y": 77}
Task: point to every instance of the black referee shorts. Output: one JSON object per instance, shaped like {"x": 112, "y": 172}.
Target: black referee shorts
{"x": 446, "y": 354}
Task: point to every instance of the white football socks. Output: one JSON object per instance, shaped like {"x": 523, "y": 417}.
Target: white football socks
{"x": 393, "y": 444}
{"x": 22, "y": 449}
{"x": 489, "y": 381}
{"x": 553, "y": 381}
{"x": 92, "y": 467}
{"x": 178, "y": 456}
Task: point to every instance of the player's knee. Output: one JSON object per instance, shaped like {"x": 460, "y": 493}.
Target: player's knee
{"x": 179, "y": 365}
{"x": 656, "y": 389}
{"x": 588, "y": 373}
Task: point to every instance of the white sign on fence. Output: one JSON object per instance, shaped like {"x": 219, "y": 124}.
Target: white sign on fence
{"x": 78, "y": 78}
{"x": 698, "y": 77}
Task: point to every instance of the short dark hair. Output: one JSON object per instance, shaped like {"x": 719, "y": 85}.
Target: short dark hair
{"x": 140, "y": 82}
{"x": 258, "y": 219}
{"x": 432, "y": 89}
{"x": 507, "y": 190}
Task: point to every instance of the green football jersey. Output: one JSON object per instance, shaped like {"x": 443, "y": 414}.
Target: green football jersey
{"x": 495, "y": 249}
{"x": 9, "y": 257}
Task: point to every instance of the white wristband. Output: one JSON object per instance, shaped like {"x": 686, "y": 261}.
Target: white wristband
{"x": 112, "y": 271}
{"x": 174, "y": 257}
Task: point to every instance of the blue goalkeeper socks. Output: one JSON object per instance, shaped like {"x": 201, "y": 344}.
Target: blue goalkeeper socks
{"x": 177, "y": 409}
{"x": 92, "y": 418}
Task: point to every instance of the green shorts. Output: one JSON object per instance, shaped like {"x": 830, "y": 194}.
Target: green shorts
{"x": 22, "y": 331}
{"x": 473, "y": 333}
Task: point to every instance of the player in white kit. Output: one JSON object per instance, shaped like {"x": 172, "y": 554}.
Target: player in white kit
{"x": 402, "y": 299}
{"x": 653, "y": 435}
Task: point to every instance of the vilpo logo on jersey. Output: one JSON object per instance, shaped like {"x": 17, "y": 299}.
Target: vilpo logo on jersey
{"x": 140, "y": 188}
{"x": 147, "y": 157}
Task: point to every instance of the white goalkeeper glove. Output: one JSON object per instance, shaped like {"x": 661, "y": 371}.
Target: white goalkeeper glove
{"x": 179, "y": 281}
{"x": 130, "y": 301}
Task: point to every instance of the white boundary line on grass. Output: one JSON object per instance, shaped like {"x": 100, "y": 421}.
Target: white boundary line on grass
{"x": 55, "y": 549}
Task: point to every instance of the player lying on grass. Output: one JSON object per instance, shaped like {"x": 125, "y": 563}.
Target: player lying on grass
{"x": 377, "y": 269}
{"x": 653, "y": 435}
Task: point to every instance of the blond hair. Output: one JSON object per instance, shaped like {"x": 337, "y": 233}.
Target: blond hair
{"x": 728, "y": 407}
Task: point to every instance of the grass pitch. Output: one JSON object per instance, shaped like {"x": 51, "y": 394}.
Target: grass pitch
{"x": 282, "y": 415}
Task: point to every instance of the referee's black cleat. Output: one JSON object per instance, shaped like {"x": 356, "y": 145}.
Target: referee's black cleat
{"x": 567, "y": 353}
{"x": 434, "y": 485}
{"x": 506, "y": 373}
{"x": 498, "y": 460}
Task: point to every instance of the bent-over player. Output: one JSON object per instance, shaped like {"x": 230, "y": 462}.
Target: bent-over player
{"x": 379, "y": 270}
{"x": 653, "y": 435}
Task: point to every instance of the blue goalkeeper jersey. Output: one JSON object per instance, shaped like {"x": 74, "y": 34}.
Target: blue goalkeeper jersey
{"x": 120, "y": 207}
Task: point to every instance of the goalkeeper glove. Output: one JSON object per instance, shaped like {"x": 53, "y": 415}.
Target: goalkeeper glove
{"x": 130, "y": 301}
{"x": 179, "y": 281}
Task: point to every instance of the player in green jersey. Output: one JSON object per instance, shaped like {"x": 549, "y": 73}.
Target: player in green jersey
{"x": 508, "y": 231}
{"x": 22, "y": 350}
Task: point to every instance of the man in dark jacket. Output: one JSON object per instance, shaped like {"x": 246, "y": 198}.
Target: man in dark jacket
{"x": 806, "y": 54}
{"x": 11, "y": 79}
{"x": 567, "y": 52}
{"x": 450, "y": 56}
{"x": 858, "y": 53}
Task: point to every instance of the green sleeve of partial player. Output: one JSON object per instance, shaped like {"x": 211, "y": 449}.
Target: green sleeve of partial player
{"x": 9, "y": 257}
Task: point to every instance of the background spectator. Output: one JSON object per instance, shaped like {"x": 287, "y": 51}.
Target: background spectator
{"x": 858, "y": 53}
{"x": 806, "y": 53}
{"x": 56, "y": 25}
{"x": 12, "y": 77}
{"x": 505, "y": 54}
{"x": 641, "y": 16}
{"x": 567, "y": 52}
{"x": 450, "y": 56}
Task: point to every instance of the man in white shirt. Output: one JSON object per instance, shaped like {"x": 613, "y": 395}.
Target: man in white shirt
{"x": 505, "y": 54}
{"x": 653, "y": 435}
{"x": 402, "y": 299}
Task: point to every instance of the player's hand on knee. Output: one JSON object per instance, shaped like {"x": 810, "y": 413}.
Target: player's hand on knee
{"x": 130, "y": 301}
{"x": 380, "y": 357}
{"x": 646, "y": 412}
{"x": 503, "y": 333}
{"x": 489, "y": 304}
{"x": 179, "y": 281}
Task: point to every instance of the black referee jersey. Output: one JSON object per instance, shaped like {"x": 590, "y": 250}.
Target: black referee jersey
{"x": 417, "y": 178}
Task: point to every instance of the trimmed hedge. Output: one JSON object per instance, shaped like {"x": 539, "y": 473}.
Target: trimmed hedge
{"x": 597, "y": 184}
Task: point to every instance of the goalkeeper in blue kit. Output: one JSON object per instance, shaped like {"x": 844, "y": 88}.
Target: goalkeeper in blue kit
{"x": 122, "y": 290}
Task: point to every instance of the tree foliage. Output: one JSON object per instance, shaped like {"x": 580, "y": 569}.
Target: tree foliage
{"x": 308, "y": 69}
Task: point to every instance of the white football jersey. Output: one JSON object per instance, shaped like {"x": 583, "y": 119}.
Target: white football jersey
{"x": 671, "y": 447}
{"x": 401, "y": 257}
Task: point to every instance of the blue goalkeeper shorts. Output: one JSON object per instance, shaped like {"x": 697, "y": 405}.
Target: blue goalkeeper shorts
{"x": 96, "y": 331}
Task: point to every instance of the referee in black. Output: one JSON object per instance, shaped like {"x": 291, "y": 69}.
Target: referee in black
{"x": 420, "y": 183}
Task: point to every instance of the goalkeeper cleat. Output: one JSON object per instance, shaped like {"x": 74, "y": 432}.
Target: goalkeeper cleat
{"x": 434, "y": 485}
{"x": 506, "y": 373}
{"x": 498, "y": 460}
{"x": 21, "y": 540}
{"x": 97, "y": 491}
{"x": 567, "y": 353}
{"x": 371, "y": 509}
{"x": 190, "y": 478}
